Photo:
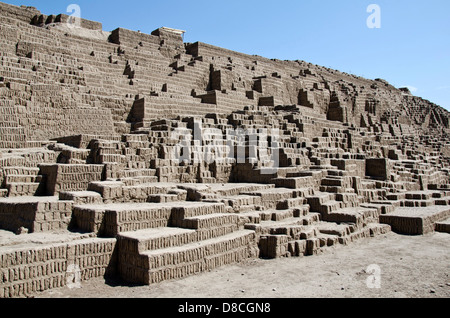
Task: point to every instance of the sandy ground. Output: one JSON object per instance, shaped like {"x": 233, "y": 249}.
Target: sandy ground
{"x": 410, "y": 267}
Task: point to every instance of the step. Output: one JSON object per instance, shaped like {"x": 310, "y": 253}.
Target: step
{"x": 163, "y": 198}
{"x": 316, "y": 200}
{"x": 250, "y": 217}
{"x": 153, "y": 239}
{"x": 415, "y": 221}
{"x": 271, "y": 227}
{"x": 336, "y": 189}
{"x": 239, "y": 200}
{"x": 184, "y": 210}
{"x": 269, "y": 197}
{"x": 324, "y": 235}
{"x": 22, "y": 178}
{"x": 442, "y": 201}
{"x": 208, "y": 221}
{"x": 17, "y": 189}
{"x": 291, "y": 203}
{"x": 181, "y": 261}
{"x": 276, "y": 215}
{"x": 381, "y": 207}
{"x": 378, "y": 229}
{"x": 338, "y": 182}
{"x": 274, "y": 246}
{"x": 296, "y": 182}
{"x": 135, "y": 181}
{"x": 392, "y": 203}
{"x": 357, "y": 215}
{"x": 396, "y": 196}
{"x": 418, "y": 203}
{"x": 232, "y": 189}
{"x": 37, "y": 214}
{"x": 329, "y": 207}
{"x": 339, "y": 230}
{"x": 337, "y": 173}
{"x": 347, "y": 197}
{"x": 21, "y": 171}
{"x": 419, "y": 195}
{"x": 81, "y": 197}
{"x": 443, "y": 226}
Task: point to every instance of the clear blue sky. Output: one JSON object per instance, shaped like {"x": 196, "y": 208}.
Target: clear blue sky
{"x": 412, "y": 47}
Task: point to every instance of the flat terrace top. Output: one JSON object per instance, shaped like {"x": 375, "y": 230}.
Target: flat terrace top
{"x": 155, "y": 233}
{"x": 445, "y": 221}
{"x": 420, "y": 212}
{"x": 11, "y": 242}
{"x": 229, "y": 186}
{"x": 30, "y": 199}
{"x": 145, "y": 206}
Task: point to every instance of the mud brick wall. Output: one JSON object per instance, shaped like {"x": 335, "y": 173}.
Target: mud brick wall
{"x": 70, "y": 177}
{"x": 95, "y": 257}
{"x": 204, "y": 49}
{"x": 111, "y": 191}
{"x": 133, "y": 218}
{"x": 132, "y": 38}
{"x": 26, "y": 271}
{"x": 89, "y": 218}
{"x": 231, "y": 220}
{"x": 34, "y": 158}
{"x": 35, "y": 215}
{"x": 117, "y": 192}
{"x": 356, "y": 167}
{"x": 14, "y": 161}
{"x": 414, "y": 224}
{"x": 81, "y": 197}
{"x": 86, "y": 24}
{"x": 83, "y": 141}
{"x": 53, "y": 216}
{"x": 56, "y": 122}
{"x": 23, "y": 13}
{"x": 15, "y": 215}
{"x": 168, "y": 38}
{"x": 192, "y": 210}
{"x": 12, "y": 137}
{"x": 378, "y": 168}
{"x": 273, "y": 246}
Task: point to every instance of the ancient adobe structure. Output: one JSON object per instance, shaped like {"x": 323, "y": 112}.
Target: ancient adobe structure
{"x": 143, "y": 157}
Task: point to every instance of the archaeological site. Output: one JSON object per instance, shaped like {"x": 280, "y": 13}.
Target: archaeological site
{"x": 142, "y": 157}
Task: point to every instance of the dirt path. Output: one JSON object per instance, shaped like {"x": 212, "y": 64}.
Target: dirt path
{"x": 412, "y": 267}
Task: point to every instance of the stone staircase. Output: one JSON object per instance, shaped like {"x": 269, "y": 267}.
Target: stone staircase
{"x": 152, "y": 256}
{"x": 160, "y": 241}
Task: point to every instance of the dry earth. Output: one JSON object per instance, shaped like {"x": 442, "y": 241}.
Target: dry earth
{"x": 411, "y": 267}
